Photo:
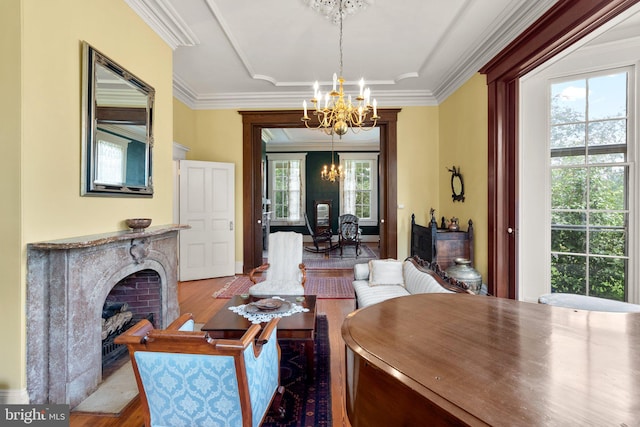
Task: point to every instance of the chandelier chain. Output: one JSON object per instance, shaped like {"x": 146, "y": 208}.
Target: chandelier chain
{"x": 340, "y": 11}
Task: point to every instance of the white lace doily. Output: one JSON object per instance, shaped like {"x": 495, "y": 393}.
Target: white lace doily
{"x": 265, "y": 316}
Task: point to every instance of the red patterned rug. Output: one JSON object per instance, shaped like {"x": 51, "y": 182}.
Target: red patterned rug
{"x": 322, "y": 287}
{"x": 305, "y": 404}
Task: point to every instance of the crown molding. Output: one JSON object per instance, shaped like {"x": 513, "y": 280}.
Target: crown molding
{"x": 165, "y": 21}
{"x": 511, "y": 23}
{"x": 276, "y": 100}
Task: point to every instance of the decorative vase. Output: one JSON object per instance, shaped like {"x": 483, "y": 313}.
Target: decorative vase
{"x": 453, "y": 225}
{"x": 463, "y": 271}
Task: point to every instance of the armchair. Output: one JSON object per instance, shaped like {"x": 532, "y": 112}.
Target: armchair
{"x": 285, "y": 272}
{"x": 319, "y": 238}
{"x": 348, "y": 232}
{"x": 187, "y": 378}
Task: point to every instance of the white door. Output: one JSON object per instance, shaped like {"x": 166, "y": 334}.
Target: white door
{"x": 207, "y": 249}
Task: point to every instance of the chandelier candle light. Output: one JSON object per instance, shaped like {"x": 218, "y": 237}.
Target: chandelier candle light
{"x": 333, "y": 173}
{"x": 335, "y": 113}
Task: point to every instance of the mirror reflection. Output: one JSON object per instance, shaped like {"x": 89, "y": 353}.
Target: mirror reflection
{"x": 323, "y": 215}
{"x": 118, "y": 137}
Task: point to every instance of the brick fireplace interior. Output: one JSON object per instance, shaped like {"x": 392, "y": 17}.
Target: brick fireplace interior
{"x": 132, "y": 299}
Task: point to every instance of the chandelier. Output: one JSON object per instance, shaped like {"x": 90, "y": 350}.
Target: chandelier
{"x": 334, "y": 112}
{"x": 332, "y": 173}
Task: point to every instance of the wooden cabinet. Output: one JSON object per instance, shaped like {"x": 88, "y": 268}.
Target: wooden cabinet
{"x": 441, "y": 245}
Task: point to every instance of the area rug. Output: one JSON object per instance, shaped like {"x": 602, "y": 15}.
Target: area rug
{"x": 332, "y": 259}
{"x": 321, "y": 287}
{"x": 306, "y": 403}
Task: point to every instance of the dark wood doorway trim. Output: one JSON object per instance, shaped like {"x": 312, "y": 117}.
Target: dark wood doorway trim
{"x": 252, "y": 124}
{"x": 564, "y": 24}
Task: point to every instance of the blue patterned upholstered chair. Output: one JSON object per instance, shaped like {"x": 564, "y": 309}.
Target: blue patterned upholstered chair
{"x": 285, "y": 272}
{"x": 186, "y": 378}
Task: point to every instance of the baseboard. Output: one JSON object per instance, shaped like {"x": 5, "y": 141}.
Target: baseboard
{"x": 14, "y": 397}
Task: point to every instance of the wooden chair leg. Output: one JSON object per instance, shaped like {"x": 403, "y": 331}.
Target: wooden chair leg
{"x": 277, "y": 405}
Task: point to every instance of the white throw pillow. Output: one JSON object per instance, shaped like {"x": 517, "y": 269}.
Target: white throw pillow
{"x": 385, "y": 272}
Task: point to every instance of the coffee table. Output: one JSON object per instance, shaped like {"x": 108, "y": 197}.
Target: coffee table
{"x": 297, "y": 327}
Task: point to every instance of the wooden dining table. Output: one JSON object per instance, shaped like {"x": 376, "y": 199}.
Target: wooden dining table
{"x": 456, "y": 359}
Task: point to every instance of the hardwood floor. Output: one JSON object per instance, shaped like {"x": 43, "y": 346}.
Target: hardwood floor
{"x": 195, "y": 297}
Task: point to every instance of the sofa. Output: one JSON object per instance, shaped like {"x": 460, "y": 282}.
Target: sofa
{"x": 380, "y": 280}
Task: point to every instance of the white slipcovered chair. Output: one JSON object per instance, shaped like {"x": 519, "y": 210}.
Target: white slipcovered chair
{"x": 186, "y": 378}
{"x": 285, "y": 272}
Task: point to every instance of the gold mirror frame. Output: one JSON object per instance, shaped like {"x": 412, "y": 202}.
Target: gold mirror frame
{"x": 117, "y": 129}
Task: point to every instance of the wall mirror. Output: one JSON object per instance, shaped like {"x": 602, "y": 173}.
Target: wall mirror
{"x": 457, "y": 185}
{"x": 117, "y": 129}
{"x": 322, "y": 215}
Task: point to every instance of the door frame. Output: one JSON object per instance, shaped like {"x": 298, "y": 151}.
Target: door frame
{"x": 561, "y": 26}
{"x": 252, "y": 124}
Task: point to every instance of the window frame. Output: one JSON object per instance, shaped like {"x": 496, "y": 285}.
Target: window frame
{"x": 372, "y": 158}
{"x": 587, "y": 150}
{"x": 277, "y": 157}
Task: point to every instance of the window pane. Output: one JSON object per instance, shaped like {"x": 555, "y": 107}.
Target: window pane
{"x": 568, "y": 232}
{"x": 608, "y": 132}
{"x": 568, "y": 102}
{"x": 608, "y": 96}
{"x": 607, "y": 190}
{"x": 572, "y": 135}
{"x": 608, "y": 241}
{"x": 568, "y": 239}
{"x": 607, "y": 277}
{"x": 611, "y": 219}
{"x": 568, "y": 188}
{"x": 568, "y": 274}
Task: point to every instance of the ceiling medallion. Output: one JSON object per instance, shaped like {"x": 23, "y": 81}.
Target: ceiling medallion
{"x": 331, "y": 8}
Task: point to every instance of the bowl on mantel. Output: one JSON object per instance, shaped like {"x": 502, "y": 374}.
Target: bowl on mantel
{"x": 138, "y": 224}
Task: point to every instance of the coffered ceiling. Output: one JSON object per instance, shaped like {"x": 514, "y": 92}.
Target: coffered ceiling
{"x": 267, "y": 54}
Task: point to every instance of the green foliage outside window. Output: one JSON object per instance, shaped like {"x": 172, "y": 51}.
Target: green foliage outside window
{"x": 589, "y": 188}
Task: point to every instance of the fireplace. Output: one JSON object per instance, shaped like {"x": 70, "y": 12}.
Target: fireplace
{"x": 68, "y": 282}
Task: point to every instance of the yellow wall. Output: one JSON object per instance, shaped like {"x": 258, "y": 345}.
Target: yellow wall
{"x": 184, "y": 125}
{"x": 46, "y": 129}
{"x": 463, "y": 143}
{"x": 418, "y": 147}
{"x": 11, "y": 293}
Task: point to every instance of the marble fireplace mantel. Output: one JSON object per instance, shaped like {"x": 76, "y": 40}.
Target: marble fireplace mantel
{"x": 67, "y": 283}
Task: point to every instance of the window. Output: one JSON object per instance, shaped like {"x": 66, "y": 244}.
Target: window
{"x": 112, "y": 154}
{"x": 590, "y": 184}
{"x": 286, "y": 178}
{"x": 359, "y": 188}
